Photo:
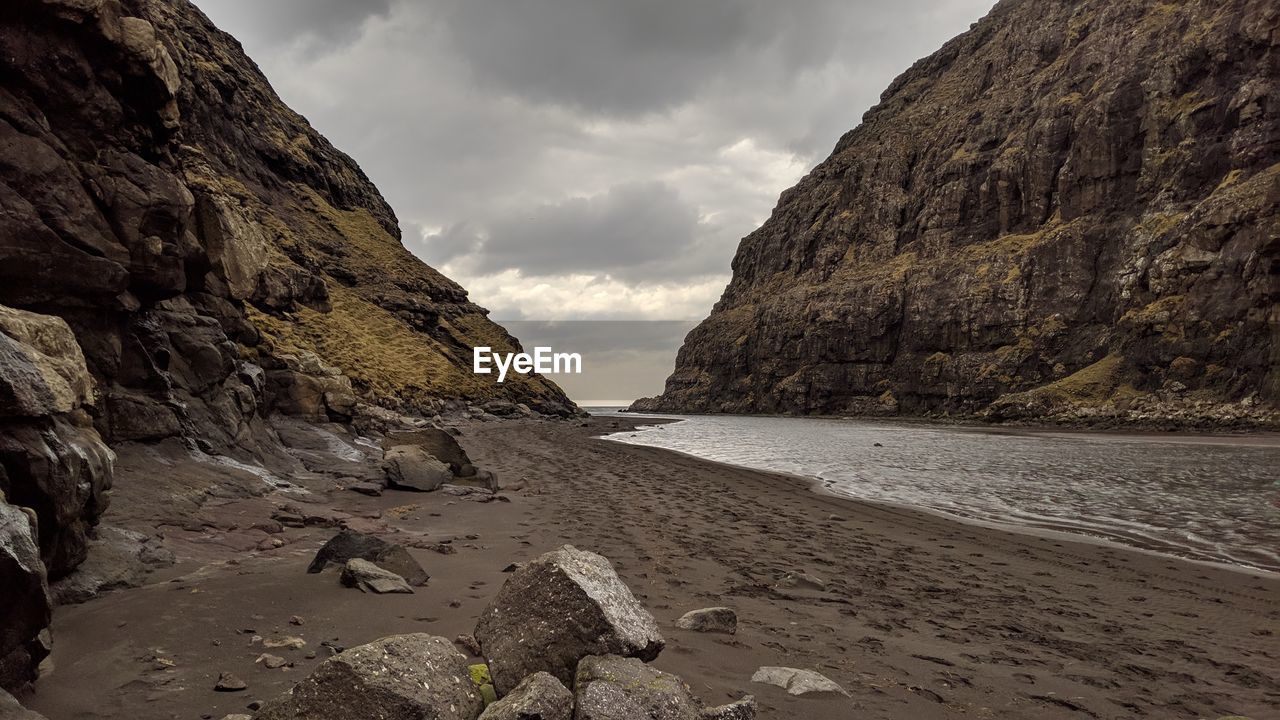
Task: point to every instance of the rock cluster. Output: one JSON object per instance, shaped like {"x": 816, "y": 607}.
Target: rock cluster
{"x": 1067, "y": 212}
{"x": 564, "y": 639}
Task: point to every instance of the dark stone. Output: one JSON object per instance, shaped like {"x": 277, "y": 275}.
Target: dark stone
{"x": 348, "y": 545}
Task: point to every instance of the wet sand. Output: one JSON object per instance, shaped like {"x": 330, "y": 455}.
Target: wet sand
{"x": 917, "y": 616}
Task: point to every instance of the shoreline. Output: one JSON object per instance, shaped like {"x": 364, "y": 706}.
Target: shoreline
{"x": 915, "y": 614}
{"x": 1167, "y": 427}
{"x": 816, "y": 486}
{"x": 819, "y": 485}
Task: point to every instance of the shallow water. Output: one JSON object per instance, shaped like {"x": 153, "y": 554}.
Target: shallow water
{"x": 1207, "y": 498}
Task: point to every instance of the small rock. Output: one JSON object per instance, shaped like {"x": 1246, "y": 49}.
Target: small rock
{"x": 797, "y": 682}
{"x": 272, "y": 662}
{"x": 288, "y": 641}
{"x": 371, "y": 578}
{"x": 229, "y": 683}
{"x": 238, "y": 716}
{"x": 744, "y": 709}
{"x": 802, "y": 580}
{"x": 296, "y": 620}
{"x": 710, "y": 620}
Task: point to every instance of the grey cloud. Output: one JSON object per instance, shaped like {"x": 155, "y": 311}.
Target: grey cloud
{"x": 632, "y": 231}
{"x": 493, "y": 119}
{"x": 316, "y": 23}
{"x": 627, "y": 57}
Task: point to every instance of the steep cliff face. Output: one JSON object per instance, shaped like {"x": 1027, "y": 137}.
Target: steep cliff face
{"x": 181, "y": 255}
{"x": 1070, "y": 211}
{"x": 211, "y": 251}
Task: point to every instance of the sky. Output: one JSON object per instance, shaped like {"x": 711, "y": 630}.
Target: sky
{"x": 570, "y": 160}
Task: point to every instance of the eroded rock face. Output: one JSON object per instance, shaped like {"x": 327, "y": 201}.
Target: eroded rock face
{"x": 404, "y": 677}
{"x": 1070, "y": 211}
{"x": 24, "y": 594}
{"x": 162, "y": 200}
{"x": 55, "y": 472}
{"x": 558, "y": 609}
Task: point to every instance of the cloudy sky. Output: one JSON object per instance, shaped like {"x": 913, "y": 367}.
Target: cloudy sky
{"x": 586, "y": 159}
{"x": 591, "y": 160}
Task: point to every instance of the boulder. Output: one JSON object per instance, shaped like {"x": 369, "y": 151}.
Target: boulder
{"x": 11, "y": 709}
{"x": 368, "y": 577}
{"x": 797, "y": 682}
{"x": 616, "y": 688}
{"x": 409, "y": 467}
{"x": 403, "y": 677}
{"x": 710, "y": 620}
{"x": 438, "y": 444}
{"x": 348, "y": 545}
{"x": 558, "y": 609}
{"x": 24, "y": 594}
{"x": 538, "y": 697}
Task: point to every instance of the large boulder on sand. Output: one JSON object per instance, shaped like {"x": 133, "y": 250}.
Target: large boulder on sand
{"x": 564, "y": 606}
{"x": 437, "y": 443}
{"x": 538, "y": 697}
{"x": 348, "y": 545}
{"x": 403, "y": 677}
{"x": 616, "y": 688}
{"x": 409, "y": 467}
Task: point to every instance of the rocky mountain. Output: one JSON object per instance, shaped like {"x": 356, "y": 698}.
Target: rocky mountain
{"x": 181, "y": 255}
{"x": 1069, "y": 212}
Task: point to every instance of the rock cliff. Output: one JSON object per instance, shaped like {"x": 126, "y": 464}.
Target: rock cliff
{"x": 1069, "y": 212}
{"x": 181, "y": 255}
{"x": 208, "y": 247}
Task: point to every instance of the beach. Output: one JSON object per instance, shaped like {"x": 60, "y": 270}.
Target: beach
{"x": 915, "y": 615}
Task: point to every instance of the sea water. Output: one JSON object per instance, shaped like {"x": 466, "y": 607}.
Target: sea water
{"x": 1214, "y": 498}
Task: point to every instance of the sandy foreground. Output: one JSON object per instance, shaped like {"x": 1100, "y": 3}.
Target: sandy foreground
{"x": 916, "y": 616}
